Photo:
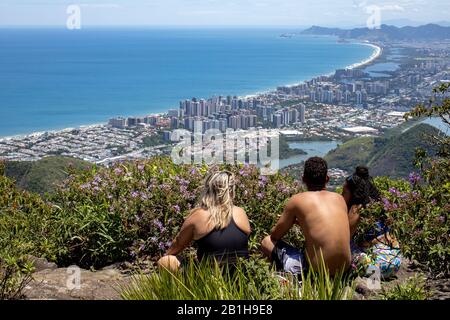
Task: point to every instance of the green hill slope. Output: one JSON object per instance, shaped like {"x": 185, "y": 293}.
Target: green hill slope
{"x": 389, "y": 155}
{"x": 42, "y": 176}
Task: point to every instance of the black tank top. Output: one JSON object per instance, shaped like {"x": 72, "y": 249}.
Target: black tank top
{"x": 224, "y": 245}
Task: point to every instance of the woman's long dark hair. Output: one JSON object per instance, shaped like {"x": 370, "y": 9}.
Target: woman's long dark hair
{"x": 362, "y": 187}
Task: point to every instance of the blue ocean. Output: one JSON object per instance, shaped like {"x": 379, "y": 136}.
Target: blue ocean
{"x": 56, "y": 78}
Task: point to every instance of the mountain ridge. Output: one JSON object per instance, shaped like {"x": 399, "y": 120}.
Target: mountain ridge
{"x": 429, "y": 31}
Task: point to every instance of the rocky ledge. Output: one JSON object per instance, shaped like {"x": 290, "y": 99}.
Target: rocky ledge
{"x": 72, "y": 283}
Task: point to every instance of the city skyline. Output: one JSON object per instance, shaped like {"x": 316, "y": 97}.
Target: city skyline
{"x": 347, "y": 13}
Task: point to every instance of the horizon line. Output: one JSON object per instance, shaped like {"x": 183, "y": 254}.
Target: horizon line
{"x": 63, "y": 26}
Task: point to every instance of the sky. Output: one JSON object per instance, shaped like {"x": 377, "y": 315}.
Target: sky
{"x": 340, "y": 13}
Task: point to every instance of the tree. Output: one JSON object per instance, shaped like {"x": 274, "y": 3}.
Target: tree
{"x": 438, "y": 106}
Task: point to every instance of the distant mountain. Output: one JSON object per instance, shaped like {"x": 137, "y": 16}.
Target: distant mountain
{"x": 44, "y": 175}
{"x": 444, "y": 23}
{"x": 390, "y": 155}
{"x": 385, "y": 33}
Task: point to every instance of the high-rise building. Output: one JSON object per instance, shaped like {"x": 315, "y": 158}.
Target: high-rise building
{"x": 197, "y": 110}
{"x": 359, "y": 98}
{"x": 132, "y": 121}
{"x": 302, "y": 113}
{"x": 251, "y": 121}
{"x": 277, "y": 120}
{"x": 118, "y": 122}
{"x": 189, "y": 123}
{"x": 223, "y": 125}
{"x": 174, "y": 123}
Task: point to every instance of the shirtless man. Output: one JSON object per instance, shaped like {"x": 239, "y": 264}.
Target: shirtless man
{"x": 323, "y": 218}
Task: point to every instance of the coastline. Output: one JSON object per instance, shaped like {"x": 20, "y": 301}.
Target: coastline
{"x": 378, "y": 51}
{"x": 375, "y": 55}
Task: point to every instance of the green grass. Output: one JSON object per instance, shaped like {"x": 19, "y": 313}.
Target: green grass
{"x": 412, "y": 289}
{"x": 252, "y": 280}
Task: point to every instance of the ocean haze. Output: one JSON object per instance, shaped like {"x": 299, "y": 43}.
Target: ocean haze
{"x": 56, "y": 78}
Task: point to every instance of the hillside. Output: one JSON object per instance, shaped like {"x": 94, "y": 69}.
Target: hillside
{"x": 391, "y": 155}
{"x": 385, "y": 33}
{"x": 42, "y": 176}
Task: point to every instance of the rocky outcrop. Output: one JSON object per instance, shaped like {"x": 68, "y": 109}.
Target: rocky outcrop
{"x": 73, "y": 283}
{"x": 439, "y": 289}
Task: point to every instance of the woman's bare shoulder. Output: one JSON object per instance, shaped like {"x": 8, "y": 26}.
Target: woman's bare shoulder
{"x": 197, "y": 214}
{"x": 241, "y": 219}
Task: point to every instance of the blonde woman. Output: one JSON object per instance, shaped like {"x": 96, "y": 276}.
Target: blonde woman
{"x": 219, "y": 228}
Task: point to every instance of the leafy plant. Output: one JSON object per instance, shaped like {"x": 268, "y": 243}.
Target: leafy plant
{"x": 15, "y": 273}
{"x": 412, "y": 289}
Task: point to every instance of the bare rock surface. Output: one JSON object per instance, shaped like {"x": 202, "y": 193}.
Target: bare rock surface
{"x": 76, "y": 284}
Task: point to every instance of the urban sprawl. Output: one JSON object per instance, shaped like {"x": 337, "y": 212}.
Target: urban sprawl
{"x": 351, "y": 102}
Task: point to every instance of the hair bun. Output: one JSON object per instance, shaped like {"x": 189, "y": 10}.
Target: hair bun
{"x": 362, "y": 172}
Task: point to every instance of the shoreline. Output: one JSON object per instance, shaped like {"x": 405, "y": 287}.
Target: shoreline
{"x": 375, "y": 55}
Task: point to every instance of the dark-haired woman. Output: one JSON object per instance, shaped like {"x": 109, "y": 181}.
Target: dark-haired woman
{"x": 379, "y": 250}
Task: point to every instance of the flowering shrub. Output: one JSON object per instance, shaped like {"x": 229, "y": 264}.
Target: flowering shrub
{"x": 417, "y": 214}
{"x": 23, "y": 229}
{"x": 135, "y": 209}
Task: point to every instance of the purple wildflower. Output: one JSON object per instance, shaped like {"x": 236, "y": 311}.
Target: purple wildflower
{"x": 260, "y": 195}
{"x": 134, "y": 194}
{"x": 387, "y": 204}
{"x": 143, "y": 196}
{"x": 118, "y": 171}
{"x": 177, "y": 208}
{"x": 158, "y": 224}
{"x": 165, "y": 187}
{"x": 243, "y": 173}
{"x": 393, "y": 191}
{"x": 414, "y": 178}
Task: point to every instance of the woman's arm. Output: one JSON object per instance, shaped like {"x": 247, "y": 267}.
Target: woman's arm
{"x": 184, "y": 237}
{"x": 353, "y": 219}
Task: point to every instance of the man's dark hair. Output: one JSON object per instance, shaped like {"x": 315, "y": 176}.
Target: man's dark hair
{"x": 362, "y": 187}
{"x": 316, "y": 173}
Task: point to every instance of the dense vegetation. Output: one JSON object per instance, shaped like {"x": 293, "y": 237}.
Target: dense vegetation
{"x": 133, "y": 210}
{"x": 390, "y": 155}
{"x": 44, "y": 175}
{"x": 128, "y": 211}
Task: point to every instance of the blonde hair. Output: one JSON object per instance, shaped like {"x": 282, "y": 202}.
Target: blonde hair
{"x": 217, "y": 198}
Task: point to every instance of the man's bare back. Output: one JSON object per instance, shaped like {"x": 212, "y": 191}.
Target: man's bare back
{"x": 322, "y": 215}
{"x": 323, "y": 218}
